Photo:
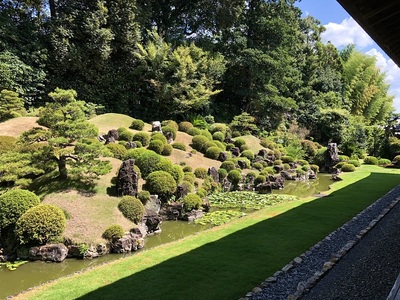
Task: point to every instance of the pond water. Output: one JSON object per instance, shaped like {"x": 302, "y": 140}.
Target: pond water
{"x": 35, "y": 273}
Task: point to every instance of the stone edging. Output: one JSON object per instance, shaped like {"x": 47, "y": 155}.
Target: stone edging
{"x": 304, "y": 286}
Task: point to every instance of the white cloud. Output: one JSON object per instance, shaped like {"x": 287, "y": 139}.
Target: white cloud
{"x": 347, "y": 32}
{"x": 392, "y": 74}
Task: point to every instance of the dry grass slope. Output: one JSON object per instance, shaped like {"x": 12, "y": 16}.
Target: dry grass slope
{"x": 14, "y": 127}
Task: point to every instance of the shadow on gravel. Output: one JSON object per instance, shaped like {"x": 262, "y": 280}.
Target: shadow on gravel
{"x": 233, "y": 265}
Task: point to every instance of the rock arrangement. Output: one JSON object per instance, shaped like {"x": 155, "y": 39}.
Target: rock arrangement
{"x": 303, "y": 272}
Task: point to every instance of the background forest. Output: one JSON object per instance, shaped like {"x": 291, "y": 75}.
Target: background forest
{"x": 212, "y": 58}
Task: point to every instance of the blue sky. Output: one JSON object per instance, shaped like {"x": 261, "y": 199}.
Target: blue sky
{"x": 342, "y": 30}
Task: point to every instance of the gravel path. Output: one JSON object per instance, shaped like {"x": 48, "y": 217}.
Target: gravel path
{"x": 366, "y": 274}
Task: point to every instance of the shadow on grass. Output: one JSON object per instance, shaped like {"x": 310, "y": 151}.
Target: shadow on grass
{"x": 50, "y": 183}
{"x": 233, "y": 265}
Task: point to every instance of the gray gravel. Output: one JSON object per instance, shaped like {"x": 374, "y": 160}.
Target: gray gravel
{"x": 369, "y": 273}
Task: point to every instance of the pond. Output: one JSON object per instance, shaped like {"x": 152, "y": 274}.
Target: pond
{"x": 35, "y": 273}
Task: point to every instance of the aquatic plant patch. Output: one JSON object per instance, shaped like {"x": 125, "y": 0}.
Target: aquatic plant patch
{"x": 219, "y": 217}
{"x": 247, "y": 200}
{"x": 12, "y": 266}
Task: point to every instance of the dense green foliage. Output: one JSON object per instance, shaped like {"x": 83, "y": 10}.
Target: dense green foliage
{"x": 191, "y": 201}
{"x": 161, "y": 183}
{"x": 219, "y": 217}
{"x": 113, "y": 232}
{"x": 11, "y": 105}
{"x": 40, "y": 224}
{"x": 137, "y": 124}
{"x": 13, "y": 204}
{"x": 132, "y": 208}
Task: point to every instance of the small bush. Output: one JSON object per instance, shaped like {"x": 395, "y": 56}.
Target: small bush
{"x": 258, "y": 166}
{"x": 315, "y": 168}
{"x": 167, "y": 129}
{"x": 260, "y": 179}
{"x": 170, "y": 123}
{"x": 287, "y": 159}
{"x": 228, "y": 165}
{"x": 192, "y": 201}
{"x": 179, "y": 146}
{"x": 302, "y": 162}
{"x": 176, "y": 172}
{"x": 239, "y": 142}
{"x": 218, "y": 127}
{"x": 202, "y": 193}
{"x": 267, "y": 143}
{"x": 118, "y": 151}
{"x": 371, "y": 160}
{"x": 124, "y": 134}
{"x": 236, "y": 134}
{"x": 278, "y": 162}
{"x": 354, "y": 162}
{"x": 339, "y": 165}
{"x": 248, "y": 154}
{"x": 244, "y": 160}
{"x": 137, "y": 124}
{"x": 135, "y": 153}
{"x": 132, "y": 208}
{"x": 268, "y": 171}
{"x": 187, "y": 169}
{"x": 207, "y": 134}
{"x": 251, "y": 176}
{"x": 348, "y": 168}
{"x": 220, "y": 145}
{"x": 185, "y": 126}
{"x": 222, "y": 173}
{"x": 286, "y": 167}
{"x": 199, "y": 143}
{"x": 310, "y": 148}
{"x": 200, "y": 173}
{"x": 219, "y": 136}
{"x": 158, "y": 136}
{"x": 167, "y": 150}
{"x": 156, "y": 145}
{"x": 244, "y": 147}
{"x": 213, "y": 152}
{"x": 144, "y": 196}
{"x": 210, "y": 144}
{"x": 7, "y": 143}
{"x": 235, "y": 176}
{"x": 343, "y": 158}
{"x": 14, "y": 203}
{"x": 161, "y": 183}
{"x": 113, "y": 232}
{"x": 229, "y": 146}
{"x": 187, "y": 186}
{"x": 319, "y": 158}
{"x": 40, "y": 224}
{"x": 142, "y": 137}
{"x": 194, "y": 131}
{"x": 189, "y": 177}
{"x": 384, "y": 162}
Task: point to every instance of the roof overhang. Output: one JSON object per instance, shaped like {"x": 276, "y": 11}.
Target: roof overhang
{"x": 381, "y": 20}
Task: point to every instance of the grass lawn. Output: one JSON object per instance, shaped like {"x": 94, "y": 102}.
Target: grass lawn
{"x": 227, "y": 261}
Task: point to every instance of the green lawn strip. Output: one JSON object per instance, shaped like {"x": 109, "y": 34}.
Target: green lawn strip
{"x": 227, "y": 261}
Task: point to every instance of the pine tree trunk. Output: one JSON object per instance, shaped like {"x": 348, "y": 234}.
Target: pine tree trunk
{"x": 62, "y": 168}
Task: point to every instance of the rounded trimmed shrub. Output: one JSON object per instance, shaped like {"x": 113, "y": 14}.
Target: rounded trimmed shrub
{"x": 189, "y": 176}
{"x": 371, "y": 160}
{"x": 179, "y": 146}
{"x": 113, "y": 232}
{"x": 187, "y": 169}
{"x": 302, "y": 162}
{"x": 191, "y": 201}
{"x": 287, "y": 167}
{"x": 142, "y": 137}
{"x": 220, "y": 145}
{"x": 156, "y": 145}
{"x": 137, "y": 124}
{"x": 170, "y": 123}
{"x": 248, "y": 154}
{"x": 201, "y": 192}
{"x": 124, "y": 134}
{"x": 194, "y": 131}
{"x": 132, "y": 208}
{"x": 228, "y": 165}
{"x": 260, "y": 179}
{"x": 222, "y": 173}
{"x": 158, "y": 136}
{"x": 167, "y": 129}
{"x": 310, "y": 148}
{"x": 244, "y": 148}
{"x": 267, "y": 143}
{"x": 251, "y": 176}
{"x": 315, "y": 168}
{"x": 278, "y": 162}
{"x": 258, "y": 166}
{"x": 339, "y": 165}
{"x": 176, "y": 172}
{"x": 219, "y": 136}
{"x": 213, "y": 152}
{"x": 348, "y": 167}
{"x": 229, "y": 146}
{"x": 149, "y": 161}
{"x": 187, "y": 186}
{"x": 14, "y": 203}
{"x": 40, "y": 224}
{"x": 143, "y": 196}
{"x": 167, "y": 150}
{"x": 268, "y": 171}
{"x": 135, "y": 153}
{"x": 199, "y": 142}
{"x": 206, "y": 133}
{"x": 161, "y": 183}
{"x": 234, "y": 176}
{"x": 287, "y": 159}
{"x": 384, "y": 162}
{"x": 200, "y": 172}
{"x": 343, "y": 158}
{"x": 185, "y": 126}
{"x": 354, "y": 162}
{"x": 239, "y": 142}
{"x": 118, "y": 150}
{"x": 211, "y": 144}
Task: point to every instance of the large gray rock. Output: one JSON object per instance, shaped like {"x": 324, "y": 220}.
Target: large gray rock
{"x": 156, "y": 126}
{"x": 332, "y": 157}
{"x": 112, "y": 136}
{"x": 213, "y": 172}
{"x": 96, "y": 251}
{"x": 152, "y": 221}
{"x": 129, "y": 242}
{"x": 50, "y": 252}
{"x": 127, "y": 180}
{"x": 154, "y": 204}
{"x": 235, "y": 151}
{"x": 223, "y": 156}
